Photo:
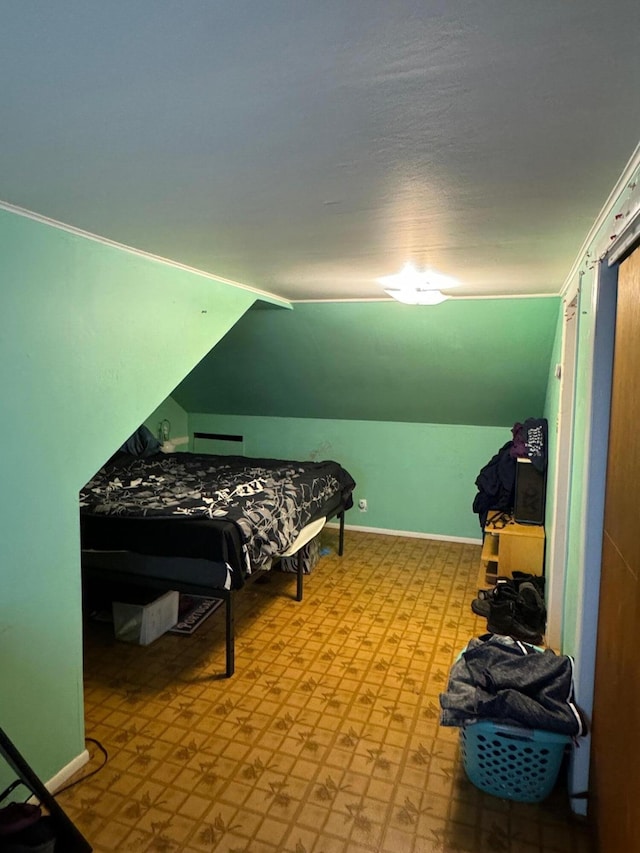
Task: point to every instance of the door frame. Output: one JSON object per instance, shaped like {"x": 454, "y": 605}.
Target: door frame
{"x": 561, "y": 489}
{"x": 599, "y": 363}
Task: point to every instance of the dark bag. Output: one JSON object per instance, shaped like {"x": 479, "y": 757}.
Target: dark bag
{"x": 24, "y": 829}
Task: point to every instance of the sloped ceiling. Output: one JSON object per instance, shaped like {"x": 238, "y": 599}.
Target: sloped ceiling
{"x": 306, "y": 148}
{"x": 481, "y": 362}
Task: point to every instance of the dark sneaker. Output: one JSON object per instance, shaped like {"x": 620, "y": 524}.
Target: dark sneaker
{"x": 531, "y": 607}
{"x": 481, "y": 607}
{"x": 504, "y": 590}
{"x": 504, "y": 619}
{"x": 524, "y": 577}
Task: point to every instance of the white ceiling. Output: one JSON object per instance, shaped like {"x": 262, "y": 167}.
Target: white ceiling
{"x": 306, "y": 147}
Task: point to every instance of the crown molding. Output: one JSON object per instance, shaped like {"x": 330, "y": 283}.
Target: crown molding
{"x": 105, "y": 241}
{"x": 596, "y": 243}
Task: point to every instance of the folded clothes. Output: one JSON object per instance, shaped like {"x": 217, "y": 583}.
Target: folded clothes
{"x": 504, "y": 680}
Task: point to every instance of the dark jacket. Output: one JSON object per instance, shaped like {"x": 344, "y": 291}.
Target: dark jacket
{"x": 503, "y": 680}
{"x": 496, "y": 484}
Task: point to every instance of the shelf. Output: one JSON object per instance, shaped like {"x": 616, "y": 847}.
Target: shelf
{"x": 490, "y": 548}
{"x": 488, "y": 574}
{"x": 509, "y": 546}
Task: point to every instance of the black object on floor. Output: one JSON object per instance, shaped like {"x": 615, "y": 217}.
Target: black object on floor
{"x": 53, "y": 832}
{"x": 505, "y": 619}
{"x": 502, "y": 591}
{"x": 193, "y": 610}
{"x": 514, "y": 607}
{"x": 39, "y": 837}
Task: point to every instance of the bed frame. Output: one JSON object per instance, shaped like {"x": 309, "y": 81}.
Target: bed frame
{"x": 182, "y": 584}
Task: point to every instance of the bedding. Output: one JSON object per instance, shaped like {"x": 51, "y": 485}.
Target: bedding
{"x": 232, "y": 509}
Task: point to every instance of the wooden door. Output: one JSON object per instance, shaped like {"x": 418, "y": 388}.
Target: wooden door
{"x": 615, "y": 752}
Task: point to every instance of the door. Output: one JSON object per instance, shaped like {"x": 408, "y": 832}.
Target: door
{"x": 615, "y": 755}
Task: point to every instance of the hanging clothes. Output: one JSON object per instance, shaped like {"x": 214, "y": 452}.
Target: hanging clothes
{"x": 530, "y": 441}
{"x": 496, "y": 484}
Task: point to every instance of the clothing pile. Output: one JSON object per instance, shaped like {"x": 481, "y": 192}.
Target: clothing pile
{"x": 504, "y": 680}
{"x": 497, "y": 479}
{"x": 514, "y": 607}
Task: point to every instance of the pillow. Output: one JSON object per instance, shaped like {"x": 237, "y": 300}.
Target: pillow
{"x": 142, "y": 443}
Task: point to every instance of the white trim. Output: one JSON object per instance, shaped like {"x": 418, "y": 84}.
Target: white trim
{"x": 606, "y": 211}
{"x": 67, "y": 772}
{"x": 550, "y": 295}
{"x": 627, "y": 237}
{"x": 105, "y": 241}
{"x": 350, "y": 299}
{"x": 460, "y": 298}
{"x": 561, "y": 489}
{"x": 409, "y": 534}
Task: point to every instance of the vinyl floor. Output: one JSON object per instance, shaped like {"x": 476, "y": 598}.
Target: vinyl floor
{"x": 327, "y": 738}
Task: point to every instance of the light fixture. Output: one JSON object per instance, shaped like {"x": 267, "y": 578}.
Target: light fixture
{"x": 413, "y": 287}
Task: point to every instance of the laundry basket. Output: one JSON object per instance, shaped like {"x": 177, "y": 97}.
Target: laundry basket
{"x": 510, "y": 762}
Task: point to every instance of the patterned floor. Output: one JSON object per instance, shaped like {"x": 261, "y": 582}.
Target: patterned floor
{"x": 326, "y": 740}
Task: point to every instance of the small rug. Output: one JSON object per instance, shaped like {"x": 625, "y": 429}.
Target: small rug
{"x": 192, "y": 612}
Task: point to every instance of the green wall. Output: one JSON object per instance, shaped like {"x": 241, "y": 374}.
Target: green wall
{"x": 412, "y": 400}
{"x": 552, "y": 401}
{"x": 551, "y": 412}
{"x": 417, "y": 478}
{"x": 92, "y": 340}
{"x": 481, "y": 362}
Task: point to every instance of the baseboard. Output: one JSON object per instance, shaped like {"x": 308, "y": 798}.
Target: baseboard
{"x": 67, "y": 772}
{"x": 463, "y": 540}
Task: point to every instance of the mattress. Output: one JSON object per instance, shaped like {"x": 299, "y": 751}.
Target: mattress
{"x": 236, "y": 511}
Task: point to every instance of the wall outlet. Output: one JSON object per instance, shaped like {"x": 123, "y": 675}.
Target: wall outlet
{"x": 362, "y": 505}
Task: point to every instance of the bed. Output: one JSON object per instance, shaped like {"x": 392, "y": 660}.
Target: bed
{"x": 204, "y": 524}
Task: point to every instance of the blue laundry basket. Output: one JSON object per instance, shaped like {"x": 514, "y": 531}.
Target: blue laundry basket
{"x": 510, "y": 762}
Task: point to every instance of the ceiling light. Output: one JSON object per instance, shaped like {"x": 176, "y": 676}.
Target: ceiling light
{"x": 413, "y": 287}
{"x": 417, "y": 296}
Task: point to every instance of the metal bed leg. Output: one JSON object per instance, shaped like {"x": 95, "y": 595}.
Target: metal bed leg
{"x": 300, "y": 576}
{"x": 230, "y": 634}
{"x": 341, "y": 538}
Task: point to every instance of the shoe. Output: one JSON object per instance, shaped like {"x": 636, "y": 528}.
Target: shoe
{"x": 504, "y": 619}
{"x": 503, "y": 590}
{"x": 524, "y": 577}
{"x": 480, "y": 605}
{"x": 506, "y": 587}
{"x": 531, "y": 607}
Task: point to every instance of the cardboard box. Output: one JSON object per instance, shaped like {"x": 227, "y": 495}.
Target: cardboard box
{"x": 143, "y": 622}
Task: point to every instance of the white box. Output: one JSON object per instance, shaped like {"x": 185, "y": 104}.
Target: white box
{"x": 142, "y": 623}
